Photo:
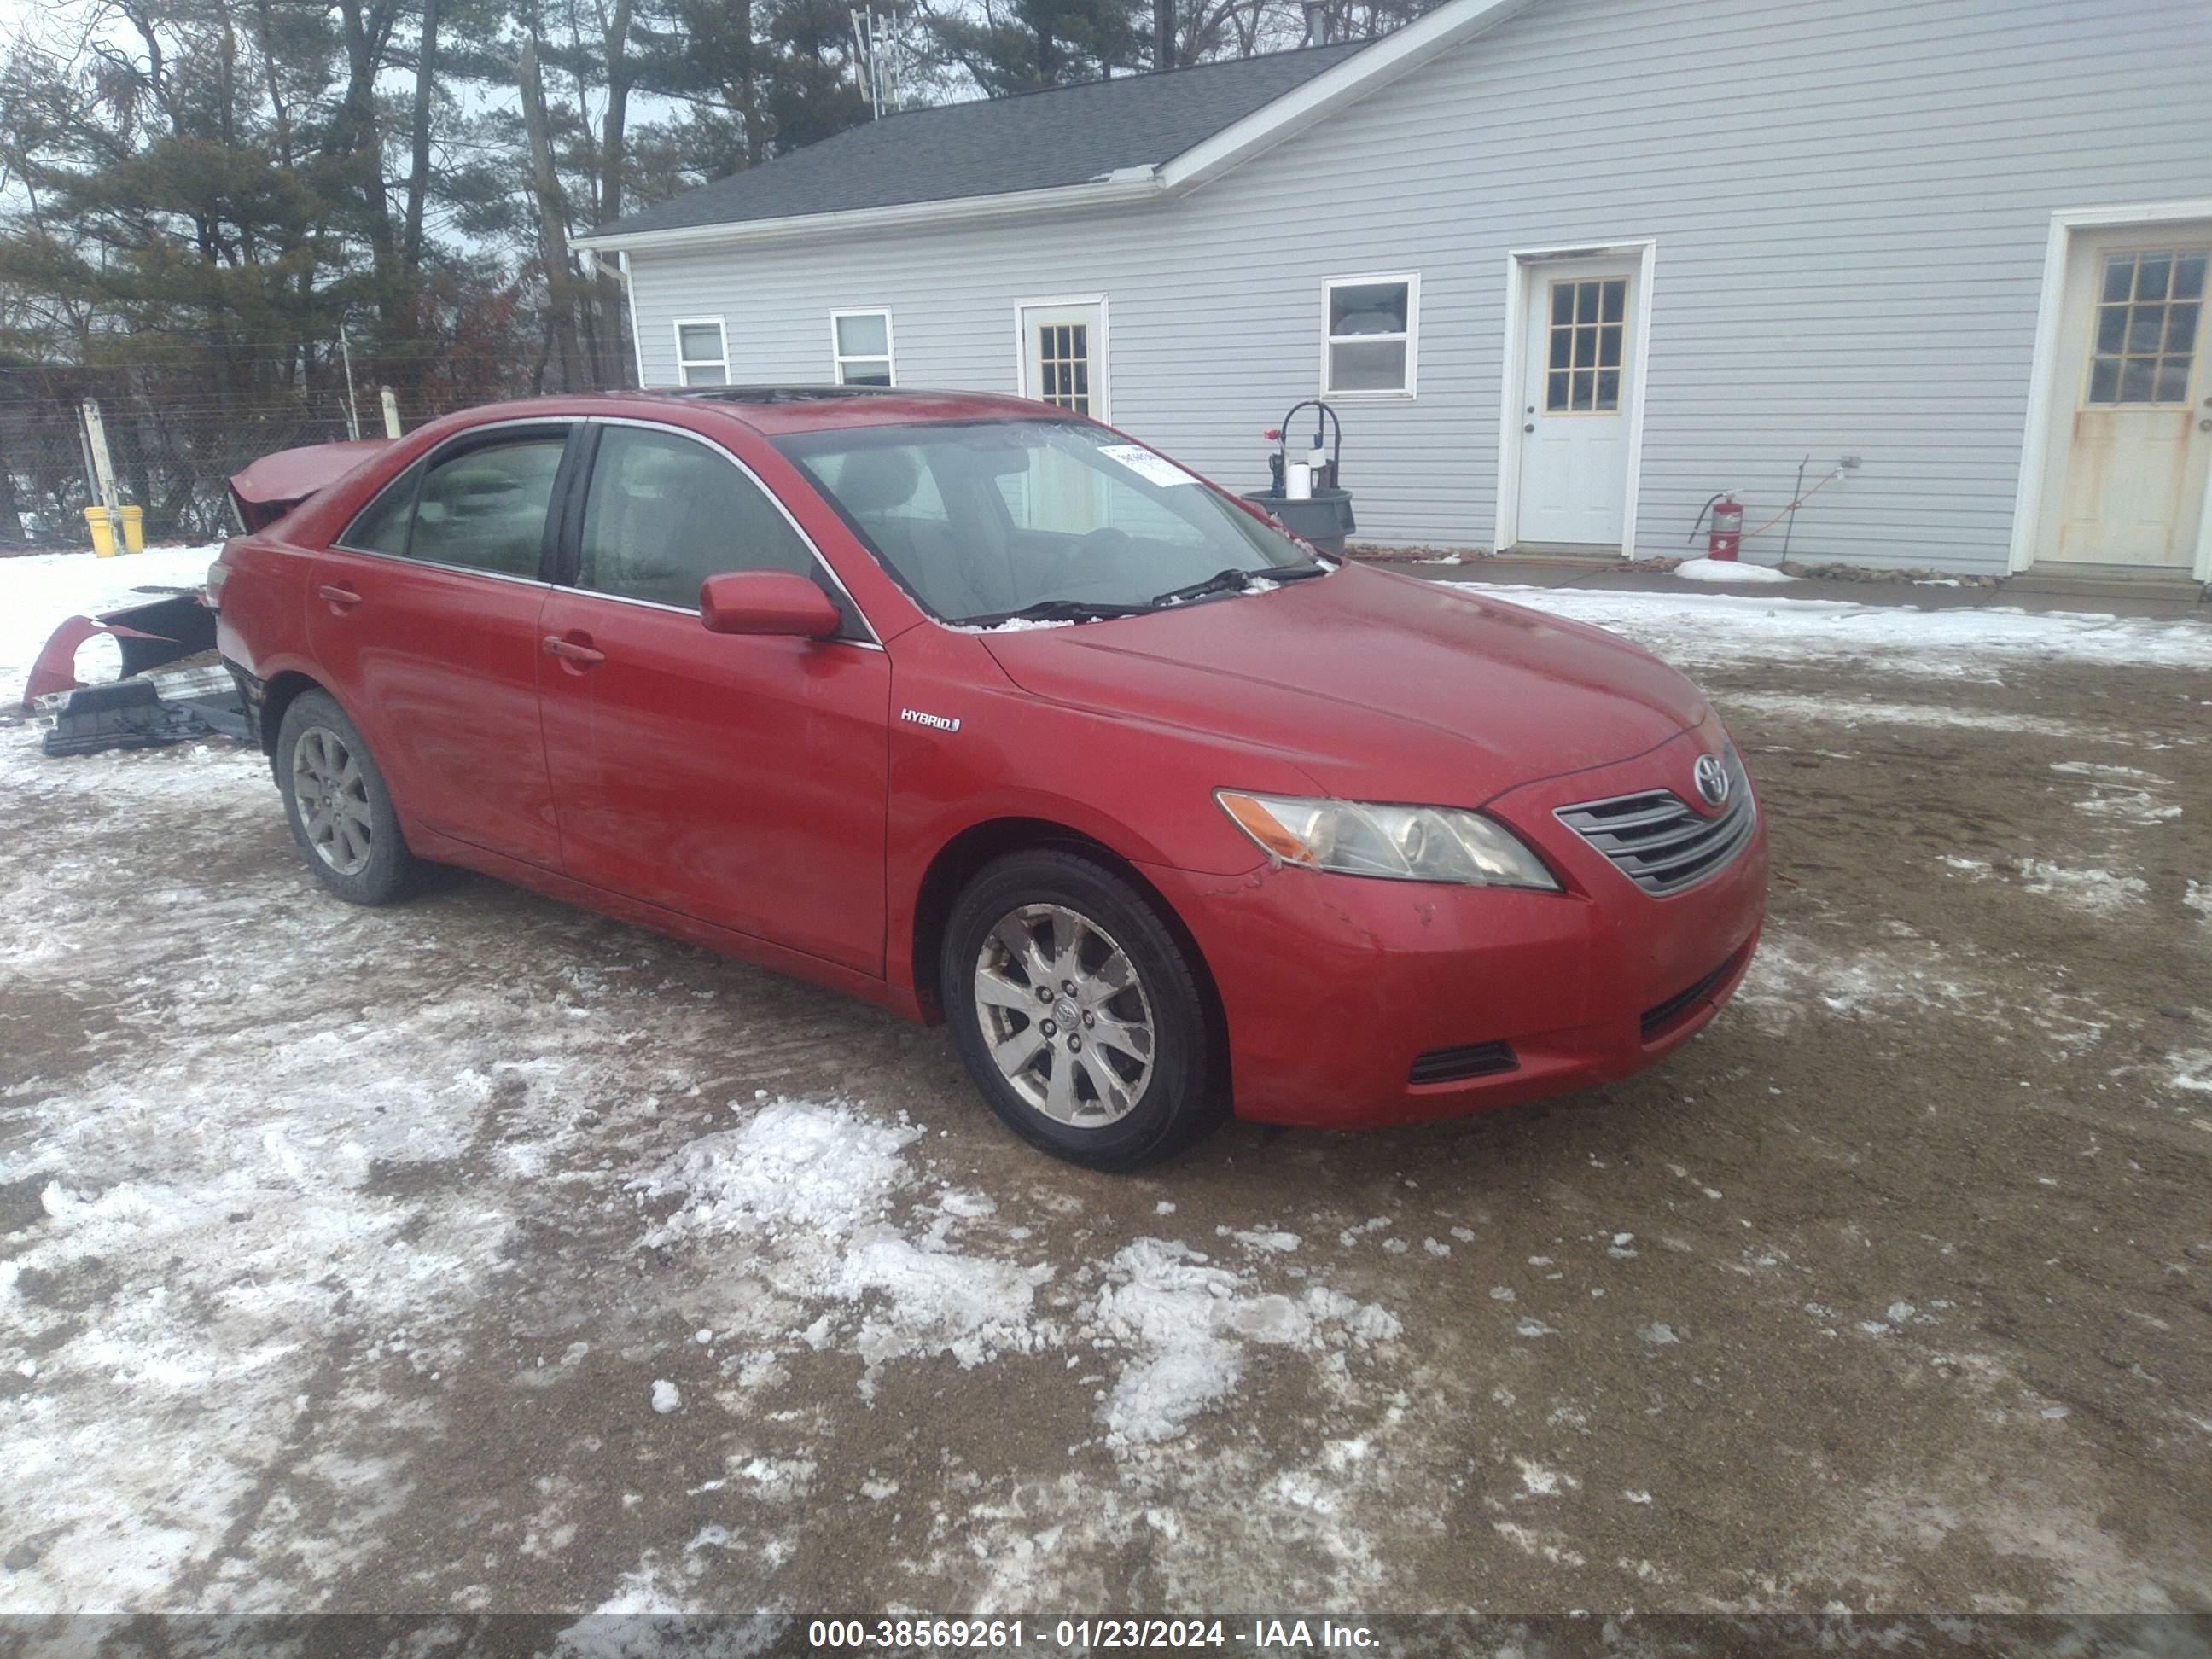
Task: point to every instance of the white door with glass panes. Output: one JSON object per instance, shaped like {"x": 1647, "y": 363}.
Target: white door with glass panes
{"x": 2131, "y": 424}
{"x": 1063, "y": 364}
{"x": 1574, "y": 401}
{"x": 1064, "y": 355}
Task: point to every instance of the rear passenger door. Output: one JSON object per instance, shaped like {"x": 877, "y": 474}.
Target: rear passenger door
{"x": 737, "y": 779}
{"x": 425, "y": 617}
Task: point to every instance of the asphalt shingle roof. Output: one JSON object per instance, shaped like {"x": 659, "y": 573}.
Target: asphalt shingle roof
{"x": 1036, "y": 141}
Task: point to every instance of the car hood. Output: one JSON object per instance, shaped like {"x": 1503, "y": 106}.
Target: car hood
{"x": 1379, "y": 686}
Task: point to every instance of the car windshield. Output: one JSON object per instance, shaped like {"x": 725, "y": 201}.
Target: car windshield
{"x": 994, "y": 520}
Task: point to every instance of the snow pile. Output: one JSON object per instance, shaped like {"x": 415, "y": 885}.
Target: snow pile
{"x": 813, "y": 1189}
{"x": 1011, "y": 625}
{"x": 1189, "y": 1323}
{"x": 2099, "y": 892}
{"x": 1728, "y": 570}
{"x": 926, "y": 1297}
{"x": 848, "y": 1246}
{"x": 819, "y": 1170}
{"x": 1727, "y": 630}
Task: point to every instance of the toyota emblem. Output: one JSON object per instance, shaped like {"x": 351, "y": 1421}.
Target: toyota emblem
{"x": 1712, "y": 780}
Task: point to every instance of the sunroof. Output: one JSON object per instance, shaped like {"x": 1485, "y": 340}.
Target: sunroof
{"x": 782, "y": 394}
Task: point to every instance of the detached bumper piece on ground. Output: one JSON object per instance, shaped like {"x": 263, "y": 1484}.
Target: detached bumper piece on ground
{"x": 145, "y": 714}
{"x": 142, "y": 709}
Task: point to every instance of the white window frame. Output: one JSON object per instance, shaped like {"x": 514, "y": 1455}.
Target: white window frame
{"x": 1411, "y": 336}
{"x": 838, "y": 357}
{"x": 685, "y": 365}
{"x": 1101, "y": 383}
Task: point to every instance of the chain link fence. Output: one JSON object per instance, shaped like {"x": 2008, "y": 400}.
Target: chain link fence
{"x": 172, "y": 458}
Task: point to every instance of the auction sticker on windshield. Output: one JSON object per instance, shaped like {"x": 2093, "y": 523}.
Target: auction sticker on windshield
{"x": 1153, "y": 468}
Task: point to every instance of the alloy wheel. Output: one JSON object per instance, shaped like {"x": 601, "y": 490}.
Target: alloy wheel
{"x": 1065, "y": 1015}
{"x": 333, "y": 798}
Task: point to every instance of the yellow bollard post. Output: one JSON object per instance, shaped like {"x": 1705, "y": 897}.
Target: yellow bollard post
{"x": 103, "y": 532}
{"x": 134, "y": 529}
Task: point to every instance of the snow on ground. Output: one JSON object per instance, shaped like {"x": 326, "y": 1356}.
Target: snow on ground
{"x": 2100, "y": 893}
{"x": 42, "y": 590}
{"x": 1709, "y": 629}
{"x": 812, "y": 1193}
{"x": 1728, "y": 570}
{"x": 276, "y": 1174}
{"x": 1861, "y": 711}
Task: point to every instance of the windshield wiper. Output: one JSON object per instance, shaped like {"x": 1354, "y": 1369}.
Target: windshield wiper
{"x": 1236, "y": 579}
{"x": 1060, "y": 610}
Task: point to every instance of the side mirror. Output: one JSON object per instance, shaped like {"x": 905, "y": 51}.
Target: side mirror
{"x": 766, "y": 601}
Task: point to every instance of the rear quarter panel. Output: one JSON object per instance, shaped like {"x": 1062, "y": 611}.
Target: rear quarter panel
{"x": 262, "y": 624}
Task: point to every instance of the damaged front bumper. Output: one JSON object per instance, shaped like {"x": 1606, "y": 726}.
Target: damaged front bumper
{"x": 144, "y": 707}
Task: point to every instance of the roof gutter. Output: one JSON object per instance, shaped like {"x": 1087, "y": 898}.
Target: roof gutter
{"x": 1389, "y": 60}
{"x": 1127, "y": 186}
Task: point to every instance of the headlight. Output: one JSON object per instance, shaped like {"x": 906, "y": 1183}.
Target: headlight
{"x": 1403, "y": 843}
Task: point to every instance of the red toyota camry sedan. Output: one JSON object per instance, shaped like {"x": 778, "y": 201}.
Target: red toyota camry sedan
{"x": 989, "y": 714}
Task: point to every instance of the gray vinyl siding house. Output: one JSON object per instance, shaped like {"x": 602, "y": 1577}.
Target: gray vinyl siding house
{"x": 1884, "y": 229}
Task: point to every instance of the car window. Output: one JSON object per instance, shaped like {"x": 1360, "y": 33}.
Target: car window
{"x": 381, "y": 526}
{"x": 485, "y": 509}
{"x": 985, "y": 519}
{"x": 666, "y": 512}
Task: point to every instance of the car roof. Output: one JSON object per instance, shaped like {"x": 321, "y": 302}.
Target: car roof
{"x": 774, "y": 411}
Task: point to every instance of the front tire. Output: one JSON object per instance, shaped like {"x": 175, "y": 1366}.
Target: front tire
{"x": 341, "y": 811}
{"x": 1081, "y": 1017}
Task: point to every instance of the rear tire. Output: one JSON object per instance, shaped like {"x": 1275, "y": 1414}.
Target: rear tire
{"x": 1081, "y": 1017}
{"x": 339, "y": 806}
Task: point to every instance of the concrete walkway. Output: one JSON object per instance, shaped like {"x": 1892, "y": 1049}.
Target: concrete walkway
{"x": 2170, "y": 602}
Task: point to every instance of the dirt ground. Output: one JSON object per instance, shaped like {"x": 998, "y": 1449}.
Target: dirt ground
{"x": 341, "y": 1254}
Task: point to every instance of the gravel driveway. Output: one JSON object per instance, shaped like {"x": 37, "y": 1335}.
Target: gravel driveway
{"x": 483, "y": 1255}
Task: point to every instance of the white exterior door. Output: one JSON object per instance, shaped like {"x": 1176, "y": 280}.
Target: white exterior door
{"x": 2131, "y": 426}
{"x": 1575, "y": 399}
{"x": 1064, "y": 354}
{"x": 1063, "y": 364}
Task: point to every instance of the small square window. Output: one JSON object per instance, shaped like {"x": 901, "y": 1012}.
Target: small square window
{"x": 1370, "y": 330}
{"x": 860, "y": 347}
{"x": 702, "y": 352}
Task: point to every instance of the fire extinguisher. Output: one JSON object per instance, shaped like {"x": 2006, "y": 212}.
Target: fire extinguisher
{"x": 1725, "y": 539}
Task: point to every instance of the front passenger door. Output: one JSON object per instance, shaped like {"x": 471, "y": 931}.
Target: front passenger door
{"x": 739, "y": 780}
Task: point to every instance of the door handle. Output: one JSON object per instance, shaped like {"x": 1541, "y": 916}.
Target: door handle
{"x": 569, "y": 651}
{"x": 339, "y": 595}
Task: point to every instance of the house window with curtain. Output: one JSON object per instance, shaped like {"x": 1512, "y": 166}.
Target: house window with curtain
{"x": 860, "y": 347}
{"x": 702, "y": 352}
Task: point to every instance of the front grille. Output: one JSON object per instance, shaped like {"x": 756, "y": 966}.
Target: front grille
{"x": 1662, "y": 1017}
{"x": 1457, "y": 1065}
{"x": 1660, "y": 841}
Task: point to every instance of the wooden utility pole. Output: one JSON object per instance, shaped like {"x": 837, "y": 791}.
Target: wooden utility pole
{"x": 1164, "y": 41}
{"x": 552, "y": 228}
